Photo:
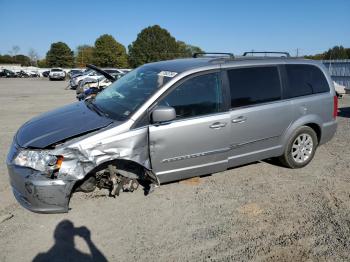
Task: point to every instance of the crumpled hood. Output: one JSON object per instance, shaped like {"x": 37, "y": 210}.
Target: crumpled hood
{"x": 60, "y": 124}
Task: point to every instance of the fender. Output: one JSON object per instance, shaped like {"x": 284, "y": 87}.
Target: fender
{"x": 302, "y": 121}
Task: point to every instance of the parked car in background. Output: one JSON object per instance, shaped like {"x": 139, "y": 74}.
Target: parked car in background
{"x": 46, "y": 73}
{"x": 339, "y": 89}
{"x": 116, "y": 73}
{"x": 22, "y": 74}
{"x": 93, "y": 74}
{"x": 7, "y": 73}
{"x": 75, "y": 72}
{"x": 57, "y": 74}
{"x": 75, "y": 81}
{"x": 90, "y": 87}
{"x": 33, "y": 73}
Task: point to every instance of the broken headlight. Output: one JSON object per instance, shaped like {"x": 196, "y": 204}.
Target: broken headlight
{"x": 38, "y": 160}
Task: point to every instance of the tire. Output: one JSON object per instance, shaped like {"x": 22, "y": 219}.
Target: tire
{"x": 300, "y": 149}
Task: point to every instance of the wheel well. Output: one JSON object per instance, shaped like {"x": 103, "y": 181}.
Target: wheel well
{"x": 126, "y": 165}
{"x": 317, "y": 130}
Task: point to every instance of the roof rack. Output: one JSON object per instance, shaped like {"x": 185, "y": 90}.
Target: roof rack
{"x": 230, "y": 55}
{"x": 286, "y": 54}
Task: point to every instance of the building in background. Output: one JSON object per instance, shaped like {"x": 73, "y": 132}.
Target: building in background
{"x": 339, "y": 71}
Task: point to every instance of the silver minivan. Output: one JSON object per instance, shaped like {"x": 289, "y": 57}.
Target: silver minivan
{"x": 173, "y": 120}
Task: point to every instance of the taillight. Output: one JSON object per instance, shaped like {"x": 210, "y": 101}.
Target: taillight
{"x": 335, "y": 107}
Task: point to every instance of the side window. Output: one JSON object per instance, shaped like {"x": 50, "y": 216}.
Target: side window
{"x": 254, "y": 85}
{"x": 200, "y": 95}
{"x": 304, "y": 80}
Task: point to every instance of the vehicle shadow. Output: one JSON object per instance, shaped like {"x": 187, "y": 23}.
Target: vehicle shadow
{"x": 64, "y": 247}
{"x": 344, "y": 112}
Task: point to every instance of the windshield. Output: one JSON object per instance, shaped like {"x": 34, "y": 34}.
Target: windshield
{"x": 56, "y": 70}
{"x": 126, "y": 95}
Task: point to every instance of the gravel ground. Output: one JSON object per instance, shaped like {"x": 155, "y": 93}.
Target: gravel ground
{"x": 259, "y": 212}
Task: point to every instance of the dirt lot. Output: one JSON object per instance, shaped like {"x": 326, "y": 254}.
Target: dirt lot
{"x": 259, "y": 212}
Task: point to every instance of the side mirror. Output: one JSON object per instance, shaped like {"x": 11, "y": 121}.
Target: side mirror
{"x": 163, "y": 114}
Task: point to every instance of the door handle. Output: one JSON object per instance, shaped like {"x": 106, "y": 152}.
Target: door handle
{"x": 218, "y": 125}
{"x": 239, "y": 119}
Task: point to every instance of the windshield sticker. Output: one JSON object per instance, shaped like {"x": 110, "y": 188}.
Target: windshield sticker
{"x": 167, "y": 73}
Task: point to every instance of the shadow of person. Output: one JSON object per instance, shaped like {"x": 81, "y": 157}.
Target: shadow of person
{"x": 64, "y": 247}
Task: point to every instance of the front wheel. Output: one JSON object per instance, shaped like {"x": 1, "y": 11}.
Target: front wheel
{"x": 301, "y": 148}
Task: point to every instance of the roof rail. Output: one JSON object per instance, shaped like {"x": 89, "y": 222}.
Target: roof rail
{"x": 267, "y": 52}
{"x": 195, "y": 55}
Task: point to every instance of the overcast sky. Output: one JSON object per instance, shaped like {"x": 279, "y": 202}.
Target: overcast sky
{"x": 217, "y": 25}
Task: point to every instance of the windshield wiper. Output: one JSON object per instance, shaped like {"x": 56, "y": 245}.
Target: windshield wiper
{"x": 95, "y": 108}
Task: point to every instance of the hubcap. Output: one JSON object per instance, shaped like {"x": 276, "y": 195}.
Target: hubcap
{"x": 302, "y": 148}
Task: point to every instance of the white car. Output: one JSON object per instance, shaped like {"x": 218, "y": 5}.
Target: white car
{"x": 339, "y": 89}
{"x": 88, "y": 82}
{"x": 74, "y": 82}
{"x": 57, "y": 74}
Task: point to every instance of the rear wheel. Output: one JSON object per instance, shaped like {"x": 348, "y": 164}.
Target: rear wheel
{"x": 301, "y": 148}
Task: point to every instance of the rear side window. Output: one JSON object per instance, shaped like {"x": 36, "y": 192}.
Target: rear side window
{"x": 254, "y": 85}
{"x": 304, "y": 80}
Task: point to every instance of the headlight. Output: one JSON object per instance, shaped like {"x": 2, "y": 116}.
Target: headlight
{"x": 39, "y": 160}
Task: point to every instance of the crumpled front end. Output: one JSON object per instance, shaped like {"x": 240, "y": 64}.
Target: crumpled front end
{"x": 40, "y": 192}
{"x": 83, "y": 156}
{"x": 36, "y": 191}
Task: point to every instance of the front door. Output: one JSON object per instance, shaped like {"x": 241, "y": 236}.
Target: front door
{"x": 196, "y": 142}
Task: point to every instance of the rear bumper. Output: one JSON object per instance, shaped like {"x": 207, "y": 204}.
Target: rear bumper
{"x": 57, "y": 77}
{"x": 328, "y": 131}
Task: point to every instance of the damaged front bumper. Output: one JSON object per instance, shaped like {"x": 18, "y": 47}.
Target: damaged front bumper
{"x": 37, "y": 192}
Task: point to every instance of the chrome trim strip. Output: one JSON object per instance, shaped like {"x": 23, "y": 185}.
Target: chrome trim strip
{"x": 195, "y": 155}
{"x": 191, "y": 167}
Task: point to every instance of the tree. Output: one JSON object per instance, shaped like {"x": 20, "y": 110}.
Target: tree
{"x": 153, "y": 44}
{"x": 22, "y": 59}
{"x": 6, "y": 59}
{"x": 84, "y": 55}
{"x": 337, "y": 52}
{"x": 14, "y": 51}
{"x": 60, "y": 55}
{"x": 186, "y": 50}
{"x": 42, "y": 63}
{"x": 108, "y": 52}
{"x": 348, "y": 52}
{"x": 33, "y": 55}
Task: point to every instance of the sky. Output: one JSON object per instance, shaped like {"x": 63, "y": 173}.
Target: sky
{"x": 311, "y": 26}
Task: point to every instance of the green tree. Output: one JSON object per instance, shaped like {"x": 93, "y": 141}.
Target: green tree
{"x": 42, "y": 63}
{"x": 153, "y": 44}
{"x": 348, "y": 52}
{"x": 84, "y": 55}
{"x": 22, "y": 59}
{"x": 6, "y": 59}
{"x": 108, "y": 52}
{"x": 337, "y": 52}
{"x": 60, "y": 55}
{"x": 186, "y": 50}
